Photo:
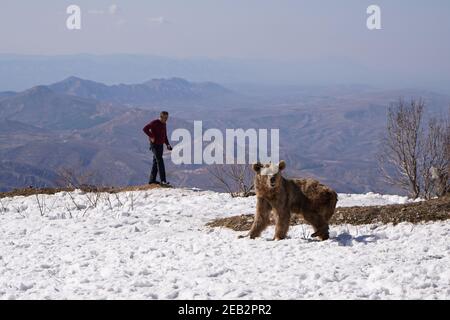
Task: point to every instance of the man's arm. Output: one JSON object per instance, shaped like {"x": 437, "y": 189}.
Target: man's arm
{"x": 167, "y": 141}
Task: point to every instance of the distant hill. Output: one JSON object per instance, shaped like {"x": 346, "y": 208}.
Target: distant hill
{"x": 15, "y": 127}
{"x": 42, "y": 107}
{"x": 15, "y": 174}
{"x": 7, "y": 94}
{"x": 152, "y": 92}
{"x": 72, "y": 125}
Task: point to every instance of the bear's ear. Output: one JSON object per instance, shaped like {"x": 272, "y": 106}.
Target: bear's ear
{"x": 256, "y": 167}
{"x": 281, "y": 165}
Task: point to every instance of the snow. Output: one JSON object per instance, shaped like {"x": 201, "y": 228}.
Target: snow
{"x": 154, "y": 245}
{"x": 371, "y": 199}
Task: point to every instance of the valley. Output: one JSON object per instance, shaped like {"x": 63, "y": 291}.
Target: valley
{"x": 331, "y": 133}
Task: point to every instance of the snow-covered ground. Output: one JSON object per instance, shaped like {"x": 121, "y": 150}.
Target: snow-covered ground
{"x": 154, "y": 245}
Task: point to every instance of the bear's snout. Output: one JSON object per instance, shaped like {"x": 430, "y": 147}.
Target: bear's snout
{"x": 273, "y": 180}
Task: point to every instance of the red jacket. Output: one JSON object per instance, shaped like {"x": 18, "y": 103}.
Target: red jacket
{"x": 157, "y": 130}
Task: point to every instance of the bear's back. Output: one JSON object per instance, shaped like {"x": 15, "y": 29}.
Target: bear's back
{"x": 314, "y": 190}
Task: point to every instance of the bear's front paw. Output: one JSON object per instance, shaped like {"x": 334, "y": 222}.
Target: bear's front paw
{"x": 321, "y": 235}
{"x": 324, "y": 237}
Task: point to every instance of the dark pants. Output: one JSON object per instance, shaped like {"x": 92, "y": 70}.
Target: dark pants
{"x": 158, "y": 163}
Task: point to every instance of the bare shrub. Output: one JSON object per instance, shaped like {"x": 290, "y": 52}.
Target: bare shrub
{"x": 40, "y": 199}
{"x": 74, "y": 177}
{"x": 435, "y": 161}
{"x": 108, "y": 200}
{"x": 2, "y": 206}
{"x": 118, "y": 199}
{"x": 133, "y": 198}
{"x": 93, "y": 198}
{"x": 235, "y": 179}
{"x": 399, "y": 159}
{"x": 414, "y": 158}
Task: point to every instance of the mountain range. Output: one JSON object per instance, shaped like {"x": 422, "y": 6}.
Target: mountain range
{"x": 19, "y": 72}
{"x": 155, "y": 91}
{"x": 331, "y": 133}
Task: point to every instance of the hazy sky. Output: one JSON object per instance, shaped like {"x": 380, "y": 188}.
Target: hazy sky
{"x": 415, "y": 33}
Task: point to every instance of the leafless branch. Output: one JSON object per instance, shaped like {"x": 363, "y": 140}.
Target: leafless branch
{"x": 40, "y": 199}
{"x": 412, "y": 158}
{"x": 399, "y": 160}
{"x": 235, "y": 179}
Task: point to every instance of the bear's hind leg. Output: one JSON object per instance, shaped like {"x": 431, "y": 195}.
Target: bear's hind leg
{"x": 319, "y": 225}
{"x": 322, "y": 233}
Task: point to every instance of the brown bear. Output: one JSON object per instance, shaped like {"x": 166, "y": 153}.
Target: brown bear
{"x": 313, "y": 200}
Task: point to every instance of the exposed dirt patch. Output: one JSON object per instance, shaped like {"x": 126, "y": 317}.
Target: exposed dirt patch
{"x": 431, "y": 210}
{"x": 33, "y": 191}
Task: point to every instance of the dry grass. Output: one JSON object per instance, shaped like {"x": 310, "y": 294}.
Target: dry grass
{"x": 431, "y": 210}
{"x": 34, "y": 191}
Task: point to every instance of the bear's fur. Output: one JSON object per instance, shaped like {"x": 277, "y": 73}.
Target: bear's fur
{"x": 313, "y": 200}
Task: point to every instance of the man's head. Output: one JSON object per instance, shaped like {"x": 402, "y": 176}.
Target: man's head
{"x": 268, "y": 174}
{"x": 163, "y": 116}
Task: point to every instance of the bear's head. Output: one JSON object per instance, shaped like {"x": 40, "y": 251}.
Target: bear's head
{"x": 268, "y": 176}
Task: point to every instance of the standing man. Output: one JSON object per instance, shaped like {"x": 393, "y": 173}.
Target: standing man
{"x": 157, "y": 135}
